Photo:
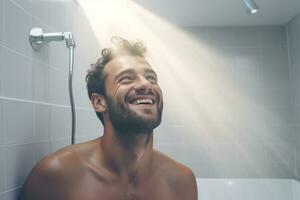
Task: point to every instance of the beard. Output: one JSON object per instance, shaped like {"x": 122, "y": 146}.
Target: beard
{"x": 129, "y": 122}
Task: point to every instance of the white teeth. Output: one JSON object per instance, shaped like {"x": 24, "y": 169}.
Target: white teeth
{"x": 139, "y": 101}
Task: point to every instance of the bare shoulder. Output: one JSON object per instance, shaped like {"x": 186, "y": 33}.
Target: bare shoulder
{"x": 180, "y": 177}
{"x": 49, "y": 178}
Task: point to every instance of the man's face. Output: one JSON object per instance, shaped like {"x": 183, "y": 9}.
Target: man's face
{"x": 134, "y": 98}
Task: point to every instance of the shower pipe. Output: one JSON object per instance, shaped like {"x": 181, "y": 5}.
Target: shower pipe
{"x": 38, "y": 39}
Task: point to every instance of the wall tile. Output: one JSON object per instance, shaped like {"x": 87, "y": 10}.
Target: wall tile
{"x": 60, "y": 122}
{"x": 170, "y": 134}
{"x": 2, "y": 14}
{"x": 275, "y": 70}
{"x": 280, "y": 153}
{"x": 58, "y": 21}
{"x": 2, "y": 122}
{"x": 2, "y": 173}
{"x": 17, "y": 27}
{"x": 59, "y": 56}
{"x": 18, "y": 121}
{"x": 41, "y": 122}
{"x": 19, "y": 162}
{"x": 175, "y": 151}
{"x": 25, "y": 4}
{"x": 248, "y": 68}
{"x": 247, "y": 37}
{"x": 265, "y": 169}
{"x": 199, "y": 152}
{"x": 219, "y": 37}
{"x": 58, "y": 144}
{"x": 1, "y": 70}
{"x": 247, "y": 60}
{"x": 200, "y": 169}
{"x": 277, "y": 97}
{"x": 87, "y": 123}
{"x": 224, "y": 169}
{"x": 17, "y": 72}
{"x": 251, "y": 152}
{"x": 79, "y": 86}
{"x": 297, "y": 149}
{"x": 263, "y": 133}
{"x": 41, "y": 11}
{"x": 13, "y": 194}
{"x": 41, "y": 149}
{"x": 40, "y": 80}
{"x": 58, "y": 87}
{"x": 198, "y": 34}
{"x": 273, "y": 36}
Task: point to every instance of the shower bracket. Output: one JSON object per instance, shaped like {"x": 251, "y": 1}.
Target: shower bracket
{"x": 37, "y": 38}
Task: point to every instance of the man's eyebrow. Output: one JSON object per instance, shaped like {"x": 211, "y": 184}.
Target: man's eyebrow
{"x": 127, "y": 71}
{"x": 150, "y": 71}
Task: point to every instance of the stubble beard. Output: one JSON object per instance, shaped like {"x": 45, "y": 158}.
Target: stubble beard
{"x": 127, "y": 122}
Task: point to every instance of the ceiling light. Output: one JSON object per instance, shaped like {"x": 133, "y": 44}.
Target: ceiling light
{"x": 251, "y": 6}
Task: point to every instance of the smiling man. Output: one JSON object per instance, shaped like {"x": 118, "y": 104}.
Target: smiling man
{"x": 122, "y": 164}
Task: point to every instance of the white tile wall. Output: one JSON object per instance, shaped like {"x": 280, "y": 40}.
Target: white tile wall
{"x": 293, "y": 29}
{"x": 16, "y": 33}
{"x": 1, "y": 21}
{"x": 18, "y": 163}
{"x": 272, "y": 36}
{"x": 60, "y": 121}
{"x": 13, "y": 194}
{"x": 2, "y": 123}
{"x": 41, "y": 122}
{"x": 1, "y": 69}
{"x": 17, "y": 75}
{"x": 34, "y": 112}
{"x": 87, "y": 123}
{"x": 247, "y": 37}
{"x": 2, "y": 180}
{"x": 25, "y": 4}
{"x": 40, "y": 81}
{"x": 41, "y": 149}
{"x": 58, "y": 87}
{"x": 275, "y": 71}
{"x": 18, "y": 121}
{"x": 247, "y": 189}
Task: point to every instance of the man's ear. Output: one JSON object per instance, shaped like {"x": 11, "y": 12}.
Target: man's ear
{"x": 98, "y": 102}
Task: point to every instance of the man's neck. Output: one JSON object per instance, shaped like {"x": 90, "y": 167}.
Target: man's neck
{"x": 127, "y": 155}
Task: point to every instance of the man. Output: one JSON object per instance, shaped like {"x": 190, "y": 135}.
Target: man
{"x": 122, "y": 164}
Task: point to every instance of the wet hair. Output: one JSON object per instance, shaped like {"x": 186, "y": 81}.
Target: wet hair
{"x": 95, "y": 77}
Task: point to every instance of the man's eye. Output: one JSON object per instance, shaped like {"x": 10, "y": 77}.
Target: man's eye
{"x": 125, "y": 79}
{"x": 151, "y": 78}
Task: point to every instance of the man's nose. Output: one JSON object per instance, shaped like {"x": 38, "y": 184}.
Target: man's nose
{"x": 142, "y": 83}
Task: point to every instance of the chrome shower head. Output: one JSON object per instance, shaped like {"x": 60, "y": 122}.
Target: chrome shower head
{"x": 37, "y": 38}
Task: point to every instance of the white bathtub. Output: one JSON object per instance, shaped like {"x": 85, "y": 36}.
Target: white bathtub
{"x": 248, "y": 189}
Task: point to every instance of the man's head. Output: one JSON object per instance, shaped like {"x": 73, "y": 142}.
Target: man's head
{"x": 123, "y": 88}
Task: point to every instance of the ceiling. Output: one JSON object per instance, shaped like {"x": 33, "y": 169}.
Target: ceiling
{"x": 222, "y": 12}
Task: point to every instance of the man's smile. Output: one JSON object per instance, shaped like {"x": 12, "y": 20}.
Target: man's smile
{"x": 142, "y": 99}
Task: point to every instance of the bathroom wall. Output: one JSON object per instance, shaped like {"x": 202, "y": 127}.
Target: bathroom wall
{"x": 34, "y": 103}
{"x": 253, "y": 137}
{"x": 234, "y": 118}
{"x": 293, "y": 29}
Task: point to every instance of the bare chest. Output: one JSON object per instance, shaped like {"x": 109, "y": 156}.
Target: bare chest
{"x": 92, "y": 189}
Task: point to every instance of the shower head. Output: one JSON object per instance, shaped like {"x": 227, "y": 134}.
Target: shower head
{"x": 37, "y": 38}
{"x": 251, "y": 6}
